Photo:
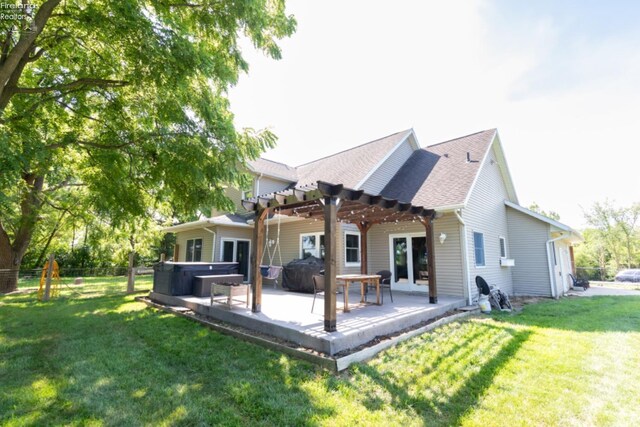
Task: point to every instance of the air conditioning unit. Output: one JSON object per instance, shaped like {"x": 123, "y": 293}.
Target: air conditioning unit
{"x": 507, "y": 262}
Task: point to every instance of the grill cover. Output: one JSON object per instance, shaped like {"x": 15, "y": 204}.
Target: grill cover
{"x": 297, "y": 275}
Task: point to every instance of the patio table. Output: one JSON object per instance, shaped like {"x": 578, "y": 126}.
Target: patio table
{"x": 365, "y": 280}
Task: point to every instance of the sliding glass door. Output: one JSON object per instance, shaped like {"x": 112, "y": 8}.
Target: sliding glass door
{"x": 408, "y": 262}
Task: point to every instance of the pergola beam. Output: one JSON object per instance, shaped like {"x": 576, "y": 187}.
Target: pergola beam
{"x": 333, "y": 203}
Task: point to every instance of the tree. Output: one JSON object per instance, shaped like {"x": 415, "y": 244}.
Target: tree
{"x": 613, "y": 239}
{"x": 550, "y": 214}
{"x": 123, "y": 103}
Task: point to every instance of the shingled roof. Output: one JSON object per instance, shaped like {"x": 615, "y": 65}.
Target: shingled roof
{"x": 440, "y": 175}
{"x": 351, "y": 166}
{"x": 274, "y": 169}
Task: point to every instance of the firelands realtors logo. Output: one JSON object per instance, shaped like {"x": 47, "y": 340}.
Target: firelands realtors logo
{"x": 16, "y": 12}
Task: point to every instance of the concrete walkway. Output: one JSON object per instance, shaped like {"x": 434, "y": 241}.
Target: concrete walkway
{"x": 602, "y": 291}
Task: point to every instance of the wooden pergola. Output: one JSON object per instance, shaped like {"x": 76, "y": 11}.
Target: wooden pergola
{"x": 333, "y": 203}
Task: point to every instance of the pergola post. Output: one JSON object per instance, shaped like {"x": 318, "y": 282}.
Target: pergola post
{"x": 363, "y": 227}
{"x": 431, "y": 260}
{"x": 256, "y": 256}
{"x": 330, "y": 221}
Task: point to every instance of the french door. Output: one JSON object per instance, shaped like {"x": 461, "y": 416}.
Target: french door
{"x": 237, "y": 250}
{"x": 408, "y": 262}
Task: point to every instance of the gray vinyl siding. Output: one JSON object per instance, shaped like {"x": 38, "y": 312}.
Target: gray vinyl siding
{"x": 381, "y": 177}
{"x": 207, "y": 243}
{"x": 527, "y": 246}
{"x": 449, "y": 267}
{"x": 290, "y": 242}
{"x": 486, "y": 213}
{"x": 267, "y": 185}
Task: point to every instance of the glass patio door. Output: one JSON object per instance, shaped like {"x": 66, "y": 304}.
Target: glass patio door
{"x": 237, "y": 251}
{"x": 408, "y": 262}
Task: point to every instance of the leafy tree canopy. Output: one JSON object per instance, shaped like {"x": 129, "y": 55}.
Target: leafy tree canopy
{"x": 122, "y": 104}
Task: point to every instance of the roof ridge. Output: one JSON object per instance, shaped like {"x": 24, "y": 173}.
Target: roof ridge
{"x": 352, "y": 148}
{"x": 460, "y": 137}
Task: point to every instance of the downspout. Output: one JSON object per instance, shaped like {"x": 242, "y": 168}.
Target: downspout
{"x": 465, "y": 254}
{"x": 213, "y": 246}
{"x": 552, "y": 276}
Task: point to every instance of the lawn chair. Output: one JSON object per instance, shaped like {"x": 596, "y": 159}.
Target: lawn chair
{"x": 318, "y": 287}
{"x": 497, "y": 298}
{"x": 579, "y": 283}
{"x": 385, "y": 282}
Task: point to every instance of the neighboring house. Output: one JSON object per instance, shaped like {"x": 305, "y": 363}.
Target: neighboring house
{"x": 479, "y": 228}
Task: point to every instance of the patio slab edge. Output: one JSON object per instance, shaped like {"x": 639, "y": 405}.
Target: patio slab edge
{"x": 327, "y": 362}
{"x": 343, "y": 363}
{"x": 323, "y": 361}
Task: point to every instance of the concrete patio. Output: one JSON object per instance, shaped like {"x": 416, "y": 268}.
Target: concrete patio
{"x": 287, "y": 315}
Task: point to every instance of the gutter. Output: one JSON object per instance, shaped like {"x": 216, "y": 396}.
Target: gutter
{"x": 213, "y": 246}
{"x": 552, "y": 276}
{"x": 465, "y": 253}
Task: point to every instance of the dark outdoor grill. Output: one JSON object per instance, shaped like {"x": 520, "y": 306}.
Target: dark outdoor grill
{"x": 298, "y": 274}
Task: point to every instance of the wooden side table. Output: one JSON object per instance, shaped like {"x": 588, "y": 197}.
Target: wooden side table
{"x": 229, "y": 291}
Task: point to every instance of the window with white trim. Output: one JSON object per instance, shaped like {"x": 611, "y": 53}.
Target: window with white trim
{"x": 312, "y": 244}
{"x": 194, "y": 250}
{"x": 503, "y": 247}
{"x": 478, "y": 246}
{"x": 351, "y": 249}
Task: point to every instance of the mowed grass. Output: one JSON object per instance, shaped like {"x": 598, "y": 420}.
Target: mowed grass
{"x": 94, "y": 356}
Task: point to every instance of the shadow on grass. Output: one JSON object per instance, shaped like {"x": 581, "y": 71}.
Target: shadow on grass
{"x": 582, "y": 314}
{"x": 106, "y": 359}
{"x": 441, "y": 388}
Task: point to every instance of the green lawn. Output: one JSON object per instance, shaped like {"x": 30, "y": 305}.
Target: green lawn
{"x": 94, "y": 356}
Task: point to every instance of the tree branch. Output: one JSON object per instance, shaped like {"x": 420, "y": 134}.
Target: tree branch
{"x": 83, "y": 82}
{"x": 25, "y": 43}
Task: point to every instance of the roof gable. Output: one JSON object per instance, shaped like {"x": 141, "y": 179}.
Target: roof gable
{"x": 441, "y": 175}
{"x": 351, "y": 167}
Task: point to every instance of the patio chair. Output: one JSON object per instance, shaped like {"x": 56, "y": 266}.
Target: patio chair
{"x": 385, "y": 282}
{"x": 318, "y": 287}
{"x": 579, "y": 283}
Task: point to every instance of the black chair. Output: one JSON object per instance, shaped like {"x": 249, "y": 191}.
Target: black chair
{"x": 318, "y": 287}
{"x": 385, "y": 282}
{"x": 579, "y": 283}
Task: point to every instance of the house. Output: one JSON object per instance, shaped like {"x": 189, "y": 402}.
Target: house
{"x": 478, "y": 227}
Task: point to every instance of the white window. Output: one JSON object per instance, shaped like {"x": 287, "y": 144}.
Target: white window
{"x": 312, "y": 244}
{"x": 478, "y": 245}
{"x": 351, "y": 249}
{"x": 194, "y": 250}
{"x": 503, "y": 247}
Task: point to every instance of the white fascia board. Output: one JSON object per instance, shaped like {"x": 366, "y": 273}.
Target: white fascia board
{"x": 482, "y": 162}
{"x": 194, "y": 225}
{"x": 504, "y": 167}
{"x": 384, "y": 159}
{"x": 448, "y": 208}
{"x": 556, "y": 224}
{"x": 186, "y": 226}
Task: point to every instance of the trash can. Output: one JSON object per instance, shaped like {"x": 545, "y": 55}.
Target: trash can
{"x": 485, "y": 305}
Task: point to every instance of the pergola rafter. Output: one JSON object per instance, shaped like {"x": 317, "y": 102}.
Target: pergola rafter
{"x": 333, "y": 203}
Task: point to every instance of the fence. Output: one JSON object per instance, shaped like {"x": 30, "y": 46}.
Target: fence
{"x": 87, "y": 272}
{"x": 596, "y": 273}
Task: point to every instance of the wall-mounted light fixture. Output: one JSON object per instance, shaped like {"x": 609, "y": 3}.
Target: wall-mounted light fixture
{"x": 443, "y": 237}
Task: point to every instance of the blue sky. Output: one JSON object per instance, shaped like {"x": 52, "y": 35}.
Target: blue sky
{"x": 559, "y": 79}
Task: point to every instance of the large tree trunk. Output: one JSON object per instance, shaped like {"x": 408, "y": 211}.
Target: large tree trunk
{"x": 11, "y": 252}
